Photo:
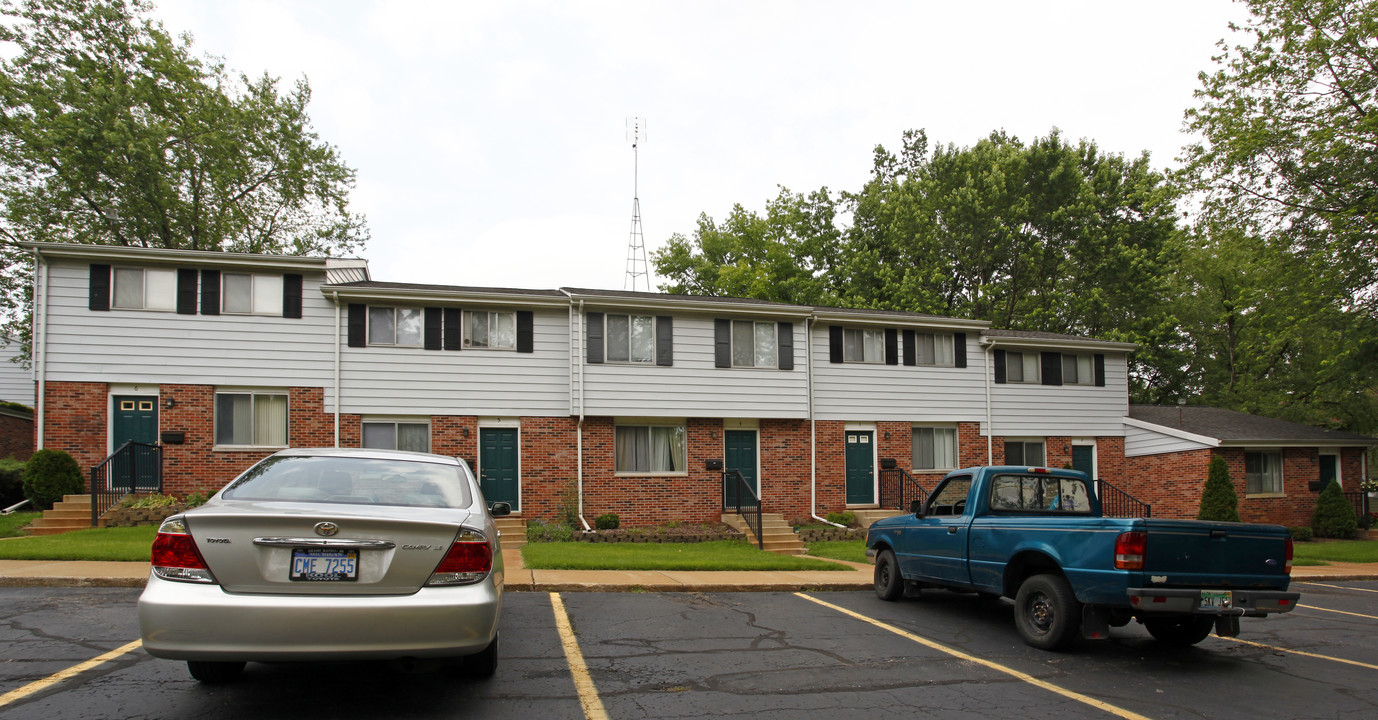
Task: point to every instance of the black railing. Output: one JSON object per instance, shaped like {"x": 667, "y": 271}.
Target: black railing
{"x": 899, "y": 489}
{"x": 1361, "y": 508}
{"x": 1115, "y": 502}
{"x": 135, "y": 467}
{"x": 739, "y": 497}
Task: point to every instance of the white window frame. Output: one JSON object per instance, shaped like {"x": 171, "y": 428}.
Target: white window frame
{"x": 421, "y": 325}
{"x": 1280, "y": 480}
{"x": 162, "y": 298}
{"x": 919, "y": 430}
{"x": 1026, "y": 442}
{"x": 1028, "y": 360}
{"x": 255, "y": 394}
{"x": 488, "y": 317}
{"x": 861, "y": 335}
{"x": 395, "y": 423}
{"x": 265, "y": 294}
{"x": 757, "y": 328}
{"x": 650, "y": 427}
{"x": 631, "y": 358}
{"x": 1082, "y": 369}
{"x": 943, "y": 353}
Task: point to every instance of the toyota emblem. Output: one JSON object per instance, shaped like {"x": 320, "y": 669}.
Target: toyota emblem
{"x": 327, "y": 529}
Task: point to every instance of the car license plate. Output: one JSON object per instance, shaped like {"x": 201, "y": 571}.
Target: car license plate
{"x": 325, "y": 564}
{"x": 1218, "y": 599}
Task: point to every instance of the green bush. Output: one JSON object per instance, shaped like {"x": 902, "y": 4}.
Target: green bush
{"x": 607, "y": 521}
{"x": 538, "y": 532}
{"x": 49, "y": 475}
{"x": 1301, "y": 534}
{"x": 11, "y": 482}
{"x": 842, "y": 518}
{"x": 154, "y": 500}
{"x": 196, "y": 499}
{"x": 1218, "y": 499}
{"x": 1334, "y": 515}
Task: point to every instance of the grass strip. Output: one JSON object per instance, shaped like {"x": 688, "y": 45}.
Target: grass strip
{"x": 132, "y": 544}
{"x": 11, "y": 525}
{"x": 717, "y": 555}
{"x": 849, "y": 550}
{"x": 1350, "y": 551}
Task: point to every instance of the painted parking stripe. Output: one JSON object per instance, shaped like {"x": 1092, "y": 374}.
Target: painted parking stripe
{"x": 55, "y": 678}
{"x": 583, "y": 682}
{"x": 1339, "y": 587}
{"x": 1341, "y": 612}
{"x": 1069, "y": 694}
{"x": 1356, "y": 663}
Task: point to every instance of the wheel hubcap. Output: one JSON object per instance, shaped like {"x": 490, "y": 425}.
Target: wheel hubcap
{"x": 1041, "y": 612}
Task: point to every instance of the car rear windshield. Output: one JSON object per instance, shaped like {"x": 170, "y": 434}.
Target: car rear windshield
{"x": 354, "y": 481}
{"x": 1039, "y": 493}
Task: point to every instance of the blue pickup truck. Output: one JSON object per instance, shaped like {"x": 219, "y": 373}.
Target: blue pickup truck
{"x": 1037, "y": 535}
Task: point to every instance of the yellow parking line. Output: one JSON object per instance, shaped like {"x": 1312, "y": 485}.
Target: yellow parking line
{"x": 583, "y": 682}
{"x": 1341, "y": 612}
{"x": 1303, "y": 652}
{"x": 55, "y": 678}
{"x": 1084, "y": 699}
{"x": 1339, "y": 587}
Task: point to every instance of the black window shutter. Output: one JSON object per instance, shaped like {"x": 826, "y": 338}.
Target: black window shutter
{"x": 210, "y": 292}
{"x": 959, "y": 349}
{"x": 834, "y": 343}
{"x": 665, "y": 340}
{"x": 785, "y": 346}
{"x": 186, "y": 291}
{"x": 910, "y": 352}
{"x": 1100, "y": 369}
{"x": 1052, "y": 368}
{"x": 100, "y": 287}
{"x": 291, "y": 295}
{"x": 892, "y": 346}
{"x": 1000, "y": 367}
{"x": 722, "y": 343}
{"x": 526, "y": 331}
{"x": 454, "y": 329}
{"x": 358, "y": 315}
{"x": 595, "y": 337}
{"x": 433, "y": 328}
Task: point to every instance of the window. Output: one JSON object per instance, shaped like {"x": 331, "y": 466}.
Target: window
{"x": 1039, "y": 493}
{"x": 245, "y": 294}
{"x": 950, "y": 498}
{"x": 631, "y": 338}
{"x": 1021, "y": 367}
{"x": 935, "y": 448}
{"x": 250, "y": 418}
{"x": 933, "y": 349}
{"x": 492, "y": 330}
{"x": 753, "y": 344}
{"x": 144, "y": 289}
{"x": 1024, "y": 452}
{"x": 649, "y": 449}
{"x": 863, "y": 346}
{"x": 1076, "y": 370}
{"x": 1263, "y": 473}
{"x": 388, "y": 435}
{"x": 394, "y": 326}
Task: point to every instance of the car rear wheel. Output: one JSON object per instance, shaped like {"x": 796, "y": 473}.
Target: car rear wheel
{"x": 1182, "y": 632}
{"x": 214, "y": 672}
{"x": 889, "y": 584}
{"x": 484, "y": 663}
{"x": 1046, "y": 612}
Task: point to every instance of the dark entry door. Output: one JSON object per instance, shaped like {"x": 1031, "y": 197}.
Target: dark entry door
{"x": 497, "y": 463}
{"x": 739, "y": 451}
{"x": 1330, "y": 470}
{"x": 1084, "y": 459}
{"x": 135, "y": 417}
{"x": 861, "y": 467}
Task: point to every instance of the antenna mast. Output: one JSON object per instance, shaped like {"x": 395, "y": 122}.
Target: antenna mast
{"x": 637, "y": 273}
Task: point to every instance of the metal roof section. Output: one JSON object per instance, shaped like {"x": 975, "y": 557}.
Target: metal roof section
{"x": 693, "y": 303}
{"x": 346, "y": 270}
{"x": 164, "y": 256}
{"x": 892, "y": 317}
{"x": 1229, "y": 428}
{"x": 1035, "y": 339}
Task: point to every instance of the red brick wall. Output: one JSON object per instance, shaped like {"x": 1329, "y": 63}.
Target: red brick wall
{"x": 16, "y": 436}
{"x": 785, "y": 467}
{"x": 75, "y": 421}
{"x": 695, "y": 496}
{"x": 549, "y": 465}
{"x": 1170, "y": 482}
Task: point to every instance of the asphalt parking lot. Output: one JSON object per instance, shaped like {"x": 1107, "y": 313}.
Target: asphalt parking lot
{"x": 688, "y": 655}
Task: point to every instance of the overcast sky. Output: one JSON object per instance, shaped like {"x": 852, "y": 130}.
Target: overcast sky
{"x": 490, "y": 138}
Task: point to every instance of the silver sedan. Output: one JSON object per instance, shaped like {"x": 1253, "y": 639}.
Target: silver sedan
{"x": 329, "y": 554}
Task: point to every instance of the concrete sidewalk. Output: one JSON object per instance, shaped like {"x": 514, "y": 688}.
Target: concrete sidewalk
{"x": 52, "y": 573}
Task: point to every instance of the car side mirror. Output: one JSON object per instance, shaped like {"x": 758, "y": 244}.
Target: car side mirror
{"x": 916, "y": 507}
{"x": 500, "y": 509}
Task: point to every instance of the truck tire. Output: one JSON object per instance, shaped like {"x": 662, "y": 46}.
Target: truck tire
{"x": 889, "y": 583}
{"x": 1180, "y": 631}
{"x": 1046, "y": 612}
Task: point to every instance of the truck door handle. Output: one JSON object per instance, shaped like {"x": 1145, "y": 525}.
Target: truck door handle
{"x": 952, "y": 531}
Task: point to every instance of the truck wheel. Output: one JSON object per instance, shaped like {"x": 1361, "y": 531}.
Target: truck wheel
{"x": 1046, "y": 612}
{"x": 889, "y": 584}
{"x": 1180, "y": 631}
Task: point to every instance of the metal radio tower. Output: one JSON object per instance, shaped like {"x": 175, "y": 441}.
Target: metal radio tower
{"x": 637, "y": 273}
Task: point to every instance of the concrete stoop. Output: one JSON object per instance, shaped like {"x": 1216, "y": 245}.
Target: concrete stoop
{"x": 73, "y": 512}
{"x": 777, "y": 535}
{"x": 864, "y": 518}
{"x": 513, "y": 531}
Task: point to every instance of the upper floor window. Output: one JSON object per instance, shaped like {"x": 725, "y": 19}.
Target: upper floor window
{"x": 390, "y": 435}
{"x": 863, "y": 345}
{"x": 250, "y": 294}
{"x": 144, "y": 289}
{"x": 754, "y": 344}
{"x": 1024, "y": 452}
{"x": 935, "y": 448}
{"x": 491, "y": 330}
{"x": 251, "y": 418}
{"x": 1021, "y": 367}
{"x": 933, "y": 348}
{"x": 1077, "y": 370}
{"x": 649, "y": 449}
{"x": 394, "y": 326}
{"x": 1263, "y": 473}
{"x": 631, "y": 338}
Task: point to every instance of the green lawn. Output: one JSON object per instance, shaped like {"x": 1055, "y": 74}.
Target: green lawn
{"x": 849, "y": 550}
{"x": 1317, "y": 553}
{"x": 11, "y": 524}
{"x": 720, "y": 555}
{"x": 125, "y": 543}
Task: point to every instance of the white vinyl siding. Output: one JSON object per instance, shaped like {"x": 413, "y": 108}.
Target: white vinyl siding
{"x": 1034, "y": 409}
{"x": 1139, "y": 442}
{"x": 899, "y": 393}
{"x": 143, "y": 289}
{"x": 256, "y": 419}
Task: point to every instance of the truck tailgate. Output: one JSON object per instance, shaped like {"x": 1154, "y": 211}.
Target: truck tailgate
{"x": 1191, "y": 553}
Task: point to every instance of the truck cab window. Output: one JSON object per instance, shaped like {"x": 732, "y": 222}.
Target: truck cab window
{"x": 951, "y": 497}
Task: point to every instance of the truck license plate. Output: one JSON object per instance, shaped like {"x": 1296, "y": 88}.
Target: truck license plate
{"x": 324, "y": 565}
{"x": 1219, "y": 599}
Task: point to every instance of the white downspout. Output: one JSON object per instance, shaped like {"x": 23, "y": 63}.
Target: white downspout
{"x": 990, "y": 428}
{"x": 813, "y": 426}
{"x": 579, "y": 452}
{"x": 39, "y": 347}
{"x": 337, "y": 367}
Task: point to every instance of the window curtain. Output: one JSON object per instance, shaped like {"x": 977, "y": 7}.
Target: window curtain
{"x": 129, "y": 288}
{"x": 633, "y": 449}
{"x": 667, "y": 449}
{"x": 238, "y": 294}
{"x": 765, "y": 344}
{"x": 415, "y": 437}
{"x": 233, "y": 419}
{"x": 379, "y": 436}
{"x": 742, "y": 343}
{"x": 270, "y": 419}
{"x": 503, "y": 329}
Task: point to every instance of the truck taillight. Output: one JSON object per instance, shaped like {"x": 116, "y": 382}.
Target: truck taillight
{"x": 1129, "y": 550}
{"x": 469, "y": 560}
{"x": 175, "y": 556}
{"x": 1288, "y": 565}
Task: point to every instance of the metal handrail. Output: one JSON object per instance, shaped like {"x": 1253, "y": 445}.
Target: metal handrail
{"x": 740, "y": 497}
{"x": 134, "y": 467}
{"x": 899, "y": 489}
{"x": 1115, "y": 502}
{"x": 1361, "y": 508}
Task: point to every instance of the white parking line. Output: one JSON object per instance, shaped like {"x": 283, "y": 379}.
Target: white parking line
{"x": 583, "y": 682}
{"x": 55, "y": 678}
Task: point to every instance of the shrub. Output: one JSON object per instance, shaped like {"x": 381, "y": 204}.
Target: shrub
{"x": 538, "y": 531}
{"x": 1301, "y": 534}
{"x": 196, "y": 499}
{"x": 1218, "y": 499}
{"x": 11, "y": 482}
{"x": 567, "y": 513}
{"x": 149, "y": 501}
{"x": 49, "y": 475}
{"x": 607, "y": 521}
{"x": 1334, "y": 515}
{"x": 842, "y": 518}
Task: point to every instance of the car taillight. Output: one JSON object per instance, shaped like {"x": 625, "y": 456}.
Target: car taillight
{"x": 1129, "y": 550}
{"x": 175, "y": 556}
{"x": 1288, "y": 565}
{"x": 469, "y": 560}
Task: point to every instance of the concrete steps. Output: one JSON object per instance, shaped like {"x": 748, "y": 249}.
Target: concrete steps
{"x": 513, "y": 531}
{"x": 864, "y": 518}
{"x": 777, "y": 536}
{"x": 73, "y": 512}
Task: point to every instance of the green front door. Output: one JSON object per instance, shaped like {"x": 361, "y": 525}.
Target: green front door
{"x": 861, "y": 467}
{"x": 497, "y": 463}
{"x": 1084, "y": 459}
{"x": 739, "y": 453}
{"x": 1330, "y": 470}
{"x": 135, "y": 418}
